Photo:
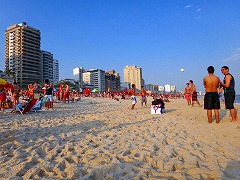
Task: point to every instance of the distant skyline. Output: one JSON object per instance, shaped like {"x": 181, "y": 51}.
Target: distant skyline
{"x": 161, "y": 37}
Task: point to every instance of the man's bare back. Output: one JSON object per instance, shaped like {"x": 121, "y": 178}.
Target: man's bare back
{"x": 211, "y": 83}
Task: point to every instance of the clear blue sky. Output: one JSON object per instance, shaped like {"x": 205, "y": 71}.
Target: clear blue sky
{"x": 161, "y": 36}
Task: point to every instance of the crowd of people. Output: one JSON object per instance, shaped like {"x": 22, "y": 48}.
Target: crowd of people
{"x": 10, "y": 97}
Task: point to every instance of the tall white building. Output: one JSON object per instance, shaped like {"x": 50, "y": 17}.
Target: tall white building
{"x": 78, "y": 75}
{"x": 55, "y": 71}
{"x": 97, "y": 79}
{"x": 133, "y": 75}
{"x": 167, "y": 88}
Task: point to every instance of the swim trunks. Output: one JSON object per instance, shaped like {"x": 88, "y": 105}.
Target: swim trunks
{"x": 229, "y": 96}
{"x": 134, "y": 100}
{"x": 188, "y": 96}
{"x": 211, "y": 101}
{"x": 144, "y": 99}
{"x": 194, "y": 96}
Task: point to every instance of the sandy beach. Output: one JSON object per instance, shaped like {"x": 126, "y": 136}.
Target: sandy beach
{"x": 98, "y": 138}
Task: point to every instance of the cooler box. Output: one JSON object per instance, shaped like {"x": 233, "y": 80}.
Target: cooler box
{"x": 156, "y": 109}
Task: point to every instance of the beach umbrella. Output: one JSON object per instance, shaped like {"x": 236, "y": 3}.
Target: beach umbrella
{"x": 95, "y": 90}
{"x": 3, "y": 82}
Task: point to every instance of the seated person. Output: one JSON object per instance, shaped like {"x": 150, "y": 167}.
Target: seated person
{"x": 123, "y": 96}
{"x": 20, "y": 106}
{"x": 158, "y": 101}
{"x": 2, "y": 99}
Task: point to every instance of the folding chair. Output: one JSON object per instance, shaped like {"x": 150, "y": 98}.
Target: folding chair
{"x": 27, "y": 107}
{"x": 39, "y": 104}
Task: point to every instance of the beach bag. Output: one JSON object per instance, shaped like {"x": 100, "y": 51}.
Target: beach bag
{"x": 156, "y": 109}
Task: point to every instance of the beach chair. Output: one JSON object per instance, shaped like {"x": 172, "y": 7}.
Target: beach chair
{"x": 24, "y": 109}
{"x": 39, "y": 104}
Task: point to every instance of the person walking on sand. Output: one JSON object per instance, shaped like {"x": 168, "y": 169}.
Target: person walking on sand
{"x": 194, "y": 93}
{"x": 211, "y": 98}
{"x": 143, "y": 94}
{"x": 134, "y": 100}
{"x": 187, "y": 94}
{"x": 228, "y": 86}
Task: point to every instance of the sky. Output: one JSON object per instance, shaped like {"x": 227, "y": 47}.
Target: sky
{"x": 160, "y": 36}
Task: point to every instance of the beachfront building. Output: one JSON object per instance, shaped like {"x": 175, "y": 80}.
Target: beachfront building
{"x": 161, "y": 89}
{"x": 173, "y": 89}
{"x": 124, "y": 85}
{"x": 55, "y": 71}
{"x": 97, "y": 79}
{"x": 133, "y": 75}
{"x": 78, "y": 75}
{"x": 47, "y": 65}
{"x": 112, "y": 81}
{"x": 153, "y": 88}
{"x": 22, "y": 53}
{"x": 86, "y": 77}
{"x": 167, "y": 88}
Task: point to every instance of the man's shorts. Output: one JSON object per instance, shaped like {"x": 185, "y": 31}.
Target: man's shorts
{"x": 49, "y": 98}
{"x": 229, "y": 99}
{"x": 211, "y": 101}
{"x": 144, "y": 99}
{"x": 134, "y": 100}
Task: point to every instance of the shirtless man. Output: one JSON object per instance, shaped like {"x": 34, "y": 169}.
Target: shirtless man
{"x": 187, "y": 93}
{"x": 211, "y": 99}
{"x": 134, "y": 100}
{"x": 143, "y": 94}
{"x": 194, "y": 93}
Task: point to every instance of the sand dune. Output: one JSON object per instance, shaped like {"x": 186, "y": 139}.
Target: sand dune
{"x": 103, "y": 139}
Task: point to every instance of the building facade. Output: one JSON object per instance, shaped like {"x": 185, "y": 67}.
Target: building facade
{"x": 112, "y": 81}
{"x": 167, "y": 88}
{"x": 151, "y": 87}
{"x": 133, "y": 75}
{"x": 78, "y": 75}
{"x": 97, "y": 79}
{"x": 86, "y": 77}
{"x": 22, "y": 53}
{"x": 55, "y": 71}
{"x": 47, "y": 65}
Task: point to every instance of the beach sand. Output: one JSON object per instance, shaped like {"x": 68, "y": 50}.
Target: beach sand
{"x": 100, "y": 138}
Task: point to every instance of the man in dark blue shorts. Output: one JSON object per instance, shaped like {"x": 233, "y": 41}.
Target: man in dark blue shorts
{"x": 211, "y": 99}
{"x": 229, "y": 92}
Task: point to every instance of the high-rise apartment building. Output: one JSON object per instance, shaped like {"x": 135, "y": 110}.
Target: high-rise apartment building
{"x": 22, "y": 53}
{"x": 112, "y": 81}
{"x": 133, "y": 75}
{"x": 86, "y": 77}
{"x": 97, "y": 79}
{"x": 47, "y": 65}
{"x": 55, "y": 71}
{"x": 78, "y": 75}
